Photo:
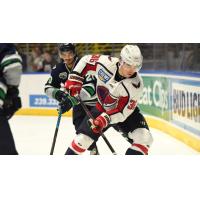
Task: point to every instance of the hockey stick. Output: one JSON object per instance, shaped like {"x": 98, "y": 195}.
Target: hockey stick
{"x": 56, "y": 130}
{"x": 90, "y": 116}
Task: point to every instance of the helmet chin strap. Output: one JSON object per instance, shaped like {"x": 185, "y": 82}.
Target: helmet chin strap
{"x": 119, "y": 72}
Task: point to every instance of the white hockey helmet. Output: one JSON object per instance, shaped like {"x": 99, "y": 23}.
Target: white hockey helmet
{"x": 131, "y": 55}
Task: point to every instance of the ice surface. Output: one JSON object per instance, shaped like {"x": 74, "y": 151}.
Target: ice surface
{"x": 34, "y": 134}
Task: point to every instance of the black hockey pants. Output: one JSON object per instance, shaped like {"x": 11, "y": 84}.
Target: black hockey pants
{"x": 7, "y": 144}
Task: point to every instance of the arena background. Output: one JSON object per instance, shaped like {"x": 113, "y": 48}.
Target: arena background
{"x": 171, "y": 73}
{"x": 102, "y": 177}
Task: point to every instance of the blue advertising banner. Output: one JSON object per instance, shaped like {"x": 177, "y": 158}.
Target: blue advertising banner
{"x": 42, "y": 101}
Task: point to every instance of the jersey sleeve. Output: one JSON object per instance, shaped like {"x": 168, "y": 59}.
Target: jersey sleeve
{"x": 86, "y": 68}
{"x": 11, "y": 70}
{"x": 87, "y": 63}
{"x": 88, "y": 91}
{"x": 54, "y": 82}
{"x": 11, "y": 67}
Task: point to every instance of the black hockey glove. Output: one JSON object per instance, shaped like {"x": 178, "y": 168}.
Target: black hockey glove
{"x": 66, "y": 102}
{"x": 12, "y": 102}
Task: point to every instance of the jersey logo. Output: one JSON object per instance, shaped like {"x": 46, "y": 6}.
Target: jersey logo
{"x": 103, "y": 76}
{"x": 132, "y": 105}
{"x": 136, "y": 86}
{"x": 63, "y": 75}
{"x": 110, "y": 102}
{"x": 102, "y": 92}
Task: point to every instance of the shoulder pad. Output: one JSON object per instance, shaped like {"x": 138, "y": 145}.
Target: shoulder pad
{"x": 108, "y": 60}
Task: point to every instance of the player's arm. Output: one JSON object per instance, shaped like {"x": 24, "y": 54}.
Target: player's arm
{"x": 86, "y": 63}
{"x": 75, "y": 80}
{"x": 53, "y": 90}
{"x": 127, "y": 101}
{"x": 11, "y": 67}
{"x": 53, "y": 84}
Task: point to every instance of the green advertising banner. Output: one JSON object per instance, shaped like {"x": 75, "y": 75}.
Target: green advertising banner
{"x": 175, "y": 98}
{"x": 155, "y": 98}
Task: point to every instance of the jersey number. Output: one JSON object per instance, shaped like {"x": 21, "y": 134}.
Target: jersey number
{"x": 132, "y": 105}
{"x": 95, "y": 58}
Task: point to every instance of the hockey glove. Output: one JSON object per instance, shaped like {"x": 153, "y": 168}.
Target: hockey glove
{"x": 66, "y": 102}
{"x": 74, "y": 84}
{"x": 12, "y": 102}
{"x": 98, "y": 124}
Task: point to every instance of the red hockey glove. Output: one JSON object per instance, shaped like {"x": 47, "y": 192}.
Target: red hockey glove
{"x": 98, "y": 124}
{"x": 74, "y": 84}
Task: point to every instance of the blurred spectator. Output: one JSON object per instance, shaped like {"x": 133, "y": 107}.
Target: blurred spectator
{"x": 24, "y": 61}
{"x": 157, "y": 56}
{"x": 24, "y": 58}
{"x": 48, "y": 63}
{"x": 193, "y": 60}
{"x": 173, "y": 57}
{"x": 36, "y": 58}
{"x": 108, "y": 53}
{"x": 54, "y": 54}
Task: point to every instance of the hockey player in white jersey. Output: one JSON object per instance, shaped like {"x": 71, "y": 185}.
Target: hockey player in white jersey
{"x": 119, "y": 88}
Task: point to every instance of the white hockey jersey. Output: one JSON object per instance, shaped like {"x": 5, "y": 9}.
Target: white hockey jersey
{"x": 117, "y": 98}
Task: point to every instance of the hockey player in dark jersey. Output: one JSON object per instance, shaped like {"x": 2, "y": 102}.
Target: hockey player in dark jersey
{"x": 119, "y": 88}
{"x": 55, "y": 84}
{"x": 10, "y": 102}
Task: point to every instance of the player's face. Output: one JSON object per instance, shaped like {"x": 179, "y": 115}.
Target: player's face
{"x": 127, "y": 70}
{"x": 68, "y": 57}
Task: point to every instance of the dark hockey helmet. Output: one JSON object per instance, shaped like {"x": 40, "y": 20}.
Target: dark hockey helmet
{"x": 63, "y": 47}
{"x": 6, "y": 48}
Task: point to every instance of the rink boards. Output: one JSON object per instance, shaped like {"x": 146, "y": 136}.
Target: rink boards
{"x": 171, "y": 103}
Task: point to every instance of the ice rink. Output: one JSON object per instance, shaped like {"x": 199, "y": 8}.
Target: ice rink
{"x": 34, "y": 134}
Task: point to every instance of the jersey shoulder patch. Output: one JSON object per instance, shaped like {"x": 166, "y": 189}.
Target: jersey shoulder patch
{"x": 104, "y": 76}
{"x": 107, "y": 68}
{"x": 63, "y": 75}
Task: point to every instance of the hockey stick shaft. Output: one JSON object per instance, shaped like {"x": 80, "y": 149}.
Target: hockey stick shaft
{"x": 90, "y": 116}
{"x": 56, "y": 131}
